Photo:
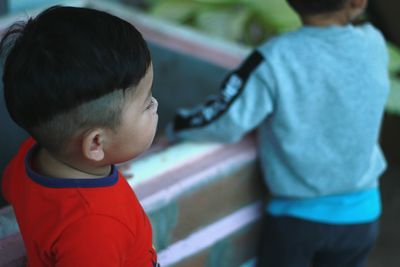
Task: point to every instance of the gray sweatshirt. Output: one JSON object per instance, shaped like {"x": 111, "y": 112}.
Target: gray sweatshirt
{"x": 317, "y": 97}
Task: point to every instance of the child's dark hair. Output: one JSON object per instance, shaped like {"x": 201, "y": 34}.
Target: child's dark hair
{"x": 68, "y": 68}
{"x": 313, "y": 7}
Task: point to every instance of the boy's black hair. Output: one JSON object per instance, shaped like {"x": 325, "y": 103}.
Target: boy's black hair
{"x": 66, "y": 57}
{"x": 313, "y": 7}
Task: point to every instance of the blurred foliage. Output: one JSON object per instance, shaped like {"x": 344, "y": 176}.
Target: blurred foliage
{"x": 393, "y": 105}
{"x": 246, "y": 21}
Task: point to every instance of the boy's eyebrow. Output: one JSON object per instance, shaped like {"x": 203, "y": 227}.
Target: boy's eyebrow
{"x": 147, "y": 97}
{"x": 149, "y": 93}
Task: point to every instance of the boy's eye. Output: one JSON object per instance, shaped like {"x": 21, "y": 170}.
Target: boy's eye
{"x": 151, "y": 104}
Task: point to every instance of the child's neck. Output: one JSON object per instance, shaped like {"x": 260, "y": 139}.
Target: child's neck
{"x": 46, "y": 164}
{"x": 325, "y": 23}
{"x": 326, "y": 20}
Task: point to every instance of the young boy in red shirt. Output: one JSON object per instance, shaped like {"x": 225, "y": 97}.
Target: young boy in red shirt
{"x": 79, "y": 82}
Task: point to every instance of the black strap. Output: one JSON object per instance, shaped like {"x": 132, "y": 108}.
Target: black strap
{"x": 215, "y": 107}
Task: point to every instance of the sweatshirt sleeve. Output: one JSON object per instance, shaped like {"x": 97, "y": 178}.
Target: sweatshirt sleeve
{"x": 244, "y": 101}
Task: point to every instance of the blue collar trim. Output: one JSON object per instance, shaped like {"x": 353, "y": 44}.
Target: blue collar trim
{"x": 68, "y": 182}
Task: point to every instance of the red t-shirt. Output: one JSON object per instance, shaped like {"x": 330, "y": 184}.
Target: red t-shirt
{"x": 77, "y": 222}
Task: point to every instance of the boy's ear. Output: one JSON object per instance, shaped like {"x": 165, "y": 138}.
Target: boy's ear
{"x": 93, "y": 145}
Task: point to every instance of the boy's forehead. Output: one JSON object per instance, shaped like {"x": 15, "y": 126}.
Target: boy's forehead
{"x": 144, "y": 85}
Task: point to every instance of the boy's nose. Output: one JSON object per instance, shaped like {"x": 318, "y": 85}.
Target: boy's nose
{"x": 155, "y": 103}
